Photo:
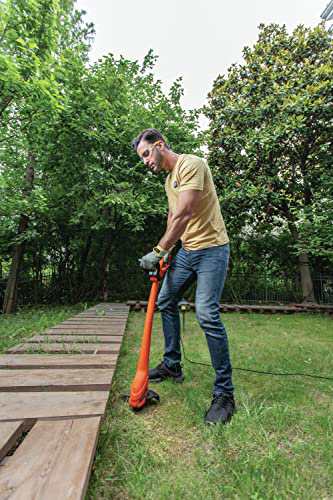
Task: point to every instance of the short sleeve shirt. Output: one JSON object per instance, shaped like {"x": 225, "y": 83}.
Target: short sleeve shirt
{"x": 206, "y": 228}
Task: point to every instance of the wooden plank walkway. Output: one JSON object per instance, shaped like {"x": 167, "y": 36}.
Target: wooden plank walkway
{"x": 51, "y": 405}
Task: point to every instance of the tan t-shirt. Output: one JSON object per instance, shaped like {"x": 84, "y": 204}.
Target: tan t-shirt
{"x": 206, "y": 227}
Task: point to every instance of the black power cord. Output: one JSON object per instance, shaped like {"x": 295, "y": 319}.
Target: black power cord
{"x": 260, "y": 372}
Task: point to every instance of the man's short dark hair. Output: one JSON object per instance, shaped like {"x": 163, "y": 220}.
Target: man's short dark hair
{"x": 150, "y": 135}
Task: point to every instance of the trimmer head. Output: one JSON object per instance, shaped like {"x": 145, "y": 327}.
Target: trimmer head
{"x": 150, "y": 398}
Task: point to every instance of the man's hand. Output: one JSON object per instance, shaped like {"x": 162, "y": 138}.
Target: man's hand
{"x": 149, "y": 261}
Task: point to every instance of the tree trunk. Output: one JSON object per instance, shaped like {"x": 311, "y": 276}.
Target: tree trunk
{"x": 304, "y": 270}
{"x": 105, "y": 287}
{"x": 10, "y": 299}
{"x": 306, "y": 279}
{"x": 105, "y": 266}
{"x": 104, "y": 271}
{"x": 81, "y": 284}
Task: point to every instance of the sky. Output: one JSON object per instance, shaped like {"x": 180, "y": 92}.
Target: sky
{"x": 195, "y": 39}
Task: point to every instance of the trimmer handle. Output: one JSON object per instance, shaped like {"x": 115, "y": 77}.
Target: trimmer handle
{"x": 161, "y": 269}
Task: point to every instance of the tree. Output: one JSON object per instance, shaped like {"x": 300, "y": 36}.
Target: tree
{"x": 97, "y": 176}
{"x": 87, "y": 190}
{"x": 270, "y": 137}
{"x": 33, "y": 41}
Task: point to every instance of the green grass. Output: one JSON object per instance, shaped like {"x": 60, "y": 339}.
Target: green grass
{"x": 14, "y": 328}
{"x": 277, "y": 446}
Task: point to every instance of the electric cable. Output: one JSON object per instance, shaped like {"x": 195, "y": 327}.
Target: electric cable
{"x": 260, "y": 372}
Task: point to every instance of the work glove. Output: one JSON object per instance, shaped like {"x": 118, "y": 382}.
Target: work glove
{"x": 150, "y": 260}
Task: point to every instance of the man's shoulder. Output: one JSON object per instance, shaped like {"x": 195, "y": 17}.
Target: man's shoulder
{"x": 190, "y": 160}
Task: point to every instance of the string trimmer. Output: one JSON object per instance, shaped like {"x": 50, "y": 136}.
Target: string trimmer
{"x": 140, "y": 395}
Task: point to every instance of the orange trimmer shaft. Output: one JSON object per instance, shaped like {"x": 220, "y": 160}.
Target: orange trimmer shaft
{"x": 139, "y": 386}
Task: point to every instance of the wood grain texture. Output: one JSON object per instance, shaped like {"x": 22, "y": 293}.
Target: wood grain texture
{"x": 65, "y": 348}
{"x": 118, "y": 332}
{"x": 92, "y": 328}
{"x": 55, "y": 380}
{"x": 43, "y": 361}
{"x": 84, "y": 339}
{"x": 42, "y": 405}
{"x": 9, "y": 433}
{"x": 52, "y": 463}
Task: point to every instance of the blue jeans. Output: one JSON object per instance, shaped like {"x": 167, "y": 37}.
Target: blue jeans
{"x": 209, "y": 267}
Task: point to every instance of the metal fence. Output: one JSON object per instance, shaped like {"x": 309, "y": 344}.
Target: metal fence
{"x": 239, "y": 289}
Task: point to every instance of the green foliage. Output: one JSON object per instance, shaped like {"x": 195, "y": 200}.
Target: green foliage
{"x": 270, "y": 138}
{"x": 72, "y": 124}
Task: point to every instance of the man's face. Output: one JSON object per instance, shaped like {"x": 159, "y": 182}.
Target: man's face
{"x": 151, "y": 155}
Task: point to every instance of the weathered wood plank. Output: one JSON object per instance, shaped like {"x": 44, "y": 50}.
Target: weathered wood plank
{"x": 98, "y": 319}
{"x": 70, "y": 331}
{"x": 103, "y": 339}
{"x": 80, "y": 333}
{"x": 9, "y": 433}
{"x": 104, "y": 315}
{"x": 65, "y": 348}
{"x": 107, "y": 317}
{"x": 42, "y": 405}
{"x": 95, "y": 320}
{"x": 105, "y": 312}
{"x": 91, "y": 326}
{"x": 42, "y": 361}
{"x": 53, "y": 462}
{"x": 55, "y": 380}
{"x": 95, "y": 328}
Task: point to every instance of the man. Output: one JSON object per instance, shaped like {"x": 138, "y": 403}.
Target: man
{"x": 195, "y": 218}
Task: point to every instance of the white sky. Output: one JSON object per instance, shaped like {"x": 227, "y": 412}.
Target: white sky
{"x": 196, "y": 39}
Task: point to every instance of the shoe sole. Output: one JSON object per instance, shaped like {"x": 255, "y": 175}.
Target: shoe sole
{"x": 219, "y": 422}
{"x": 176, "y": 380}
{"x": 222, "y": 422}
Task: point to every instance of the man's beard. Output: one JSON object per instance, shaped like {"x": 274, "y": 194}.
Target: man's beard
{"x": 158, "y": 162}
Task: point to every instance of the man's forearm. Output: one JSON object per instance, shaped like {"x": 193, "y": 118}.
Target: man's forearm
{"x": 175, "y": 229}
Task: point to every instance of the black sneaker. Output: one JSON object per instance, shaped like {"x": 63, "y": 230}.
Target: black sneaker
{"x": 221, "y": 410}
{"x": 162, "y": 372}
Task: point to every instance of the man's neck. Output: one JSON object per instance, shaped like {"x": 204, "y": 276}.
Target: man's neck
{"x": 170, "y": 161}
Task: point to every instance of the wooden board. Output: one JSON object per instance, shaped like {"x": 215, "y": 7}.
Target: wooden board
{"x": 95, "y": 324}
{"x": 103, "y": 313}
{"x": 98, "y": 314}
{"x": 55, "y": 380}
{"x": 103, "y": 339}
{"x": 120, "y": 314}
{"x": 91, "y": 328}
{"x": 80, "y": 333}
{"x": 65, "y": 348}
{"x": 100, "y": 318}
{"x": 44, "y": 361}
{"x": 94, "y": 319}
{"x": 21, "y": 405}
{"x": 87, "y": 326}
{"x": 9, "y": 433}
{"x": 52, "y": 463}
{"x": 69, "y": 331}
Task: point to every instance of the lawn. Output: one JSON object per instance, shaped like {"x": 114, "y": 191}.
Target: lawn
{"x": 14, "y": 328}
{"x": 279, "y": 444}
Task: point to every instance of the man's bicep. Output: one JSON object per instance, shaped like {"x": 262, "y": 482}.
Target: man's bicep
{"x": 189, "y": 200}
